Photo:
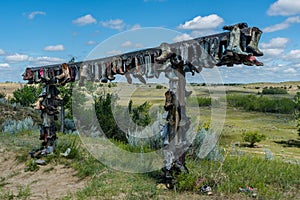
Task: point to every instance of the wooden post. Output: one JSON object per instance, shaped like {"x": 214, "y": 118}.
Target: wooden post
{"x": 62, "y": 118}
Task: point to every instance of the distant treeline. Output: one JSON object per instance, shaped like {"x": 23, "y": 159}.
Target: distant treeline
{"x": 250, "y": 103}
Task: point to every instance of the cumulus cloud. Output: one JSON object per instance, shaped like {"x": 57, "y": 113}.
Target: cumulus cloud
{"x": 182, "y": 37}
{"x": 202, "y": 23}
{"x": 284, "y": 8}
{"x": 45, "y": 60}
{"x": 136, "y": 26}
{"x": 127, "y": 44}
{"x": 114, "y": 52}
{"x": 293, "y": 54}
{"x": 58, "y": 47}
{"x": 90, "y": 42}
{"x": 114, "y": 24}
{"x": 290, "y": 70}
{"x": 278, "y": 42}
{"x": 2, "y": 52}
{"x": 4, "y": 65}
{"x": 283, "y": 25}
{"x": 33, "y": 14}
{"x": 85, "y": 20}
{"x": 16, "y": 58}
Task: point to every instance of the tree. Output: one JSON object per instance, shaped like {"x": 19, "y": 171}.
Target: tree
{"x": 297, "y": 111}
{"x": 26, "y": 95}
{"x": 253, "y": 137}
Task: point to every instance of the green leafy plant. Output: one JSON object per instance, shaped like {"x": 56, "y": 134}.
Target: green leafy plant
{"x": 26, "y": 95}
{"x": 253, "y": 137}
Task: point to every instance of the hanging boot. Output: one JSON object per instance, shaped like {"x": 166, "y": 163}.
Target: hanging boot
{"x": 103, "y": 73}
{"x": 109, "y": 71}
{"x": 234, "y": 41}
{"x": 253, "y": 45}
{"x": 97, "y": 72}
{"x": 166, "y": 52}
{"x": 214, "y": 49}
{"x": 128, "y": 77}
{"x": 37, "y": 77}
{"x": 170, "y": 74}
{"x": 251, "y": 60}
{"x": 148, "y": 66}
{"x": 119, "y": 66}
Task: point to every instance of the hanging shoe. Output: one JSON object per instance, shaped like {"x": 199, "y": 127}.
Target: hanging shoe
{"x": 234, "y": 41}
{"x": 103, "y": 66}
{"x": 253, "y": 45}
{"x": 128, "y": 77}
{"x": 251, "y": 60}
{"x": 149, "y": 66}
{"x": 166, "y": 52}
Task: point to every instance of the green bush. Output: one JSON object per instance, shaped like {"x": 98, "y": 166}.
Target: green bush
{"x": 2, "y": 95}
{"x": 253, "y": 137}
{"x": 15, "y": 126}
{"x": 199, "y": 101}
{"x": 262, "y": 103}
{"x": 26, "y": 95}
{"x": 274, "y": 90}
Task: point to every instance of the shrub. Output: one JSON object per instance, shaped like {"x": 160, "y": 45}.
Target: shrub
{"x": 26, "y": 95}
{"x": 2, "y": 95}
{"x": 159, "y": 87}
{"x": 253, "y": 137}
{"x": 15, "y": 126}
{"x": 274, "y": 90}
{"x": 262, "y": 103}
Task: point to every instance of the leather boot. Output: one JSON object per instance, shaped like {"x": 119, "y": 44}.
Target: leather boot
{"x": 103, "y": 73}
{"x": 128, "y": 77}
{"x": 37, "y": 77}
{"x": 170, "y": 74}
{"x": 97, "y": 72}
{"x": 109, "y": 71}
{"x": 149, "y": 66}
{"x": 166, "y": 52}
{"x": 253, "y": 45}
{"x": 234, "y": 41}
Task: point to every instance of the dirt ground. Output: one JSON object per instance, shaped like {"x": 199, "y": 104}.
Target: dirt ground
{"x": 49, "y": 182}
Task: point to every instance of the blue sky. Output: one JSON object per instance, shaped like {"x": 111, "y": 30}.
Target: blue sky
{"x": 36, "y": 32}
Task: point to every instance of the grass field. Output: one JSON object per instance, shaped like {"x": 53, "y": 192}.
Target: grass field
{"x": 243, "y": 166}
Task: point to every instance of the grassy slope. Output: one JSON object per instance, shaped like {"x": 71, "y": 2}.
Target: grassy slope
{"x": 274, "y": 179}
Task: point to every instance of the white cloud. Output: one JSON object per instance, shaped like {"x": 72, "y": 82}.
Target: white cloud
{"x": 114, "y": 52}
{"x": 136, "y": 26}
{"x": 114, "y": 24}
{"x": 284, "y": 25}
{"x": 201, "y": 23}
{"x": 128, "y": 44}
{"x": 58, "y": 47}
{"x": 16, "y": 58}
{"x": 2, "y": 52}
{"x": 33, "y": 14}
{"x": 90, "y": 42}
{"x": 284, "y": 7}
{"x": 293, "y": 54}
{"x": 290, "y": 70}
{"x": 45, "y": 60}
{"x": 4, "y": 65}
{"x": 85, "y": 20}
{"x": 272, "y": 52}
{"x": 278, "y": 42}
{"x": 182, "y": 37}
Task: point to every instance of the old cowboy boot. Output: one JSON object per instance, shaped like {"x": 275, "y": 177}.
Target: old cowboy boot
{"x": 109, "y": 71}
{"x": 118, "y": 65}
{"x": 97, "y": 72}
{"x": 214, "y": 49}
{"x": 251, "y": 60}
{"x": 103, "y": 72}
{"x": 253, "y": 45}
{"x": 148, "y": 65}
{"x": 166, "y": 52}
{"x": 37, "y": 78}
{"x": 234, "y": 41}
{"x": 65, "y": 75}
